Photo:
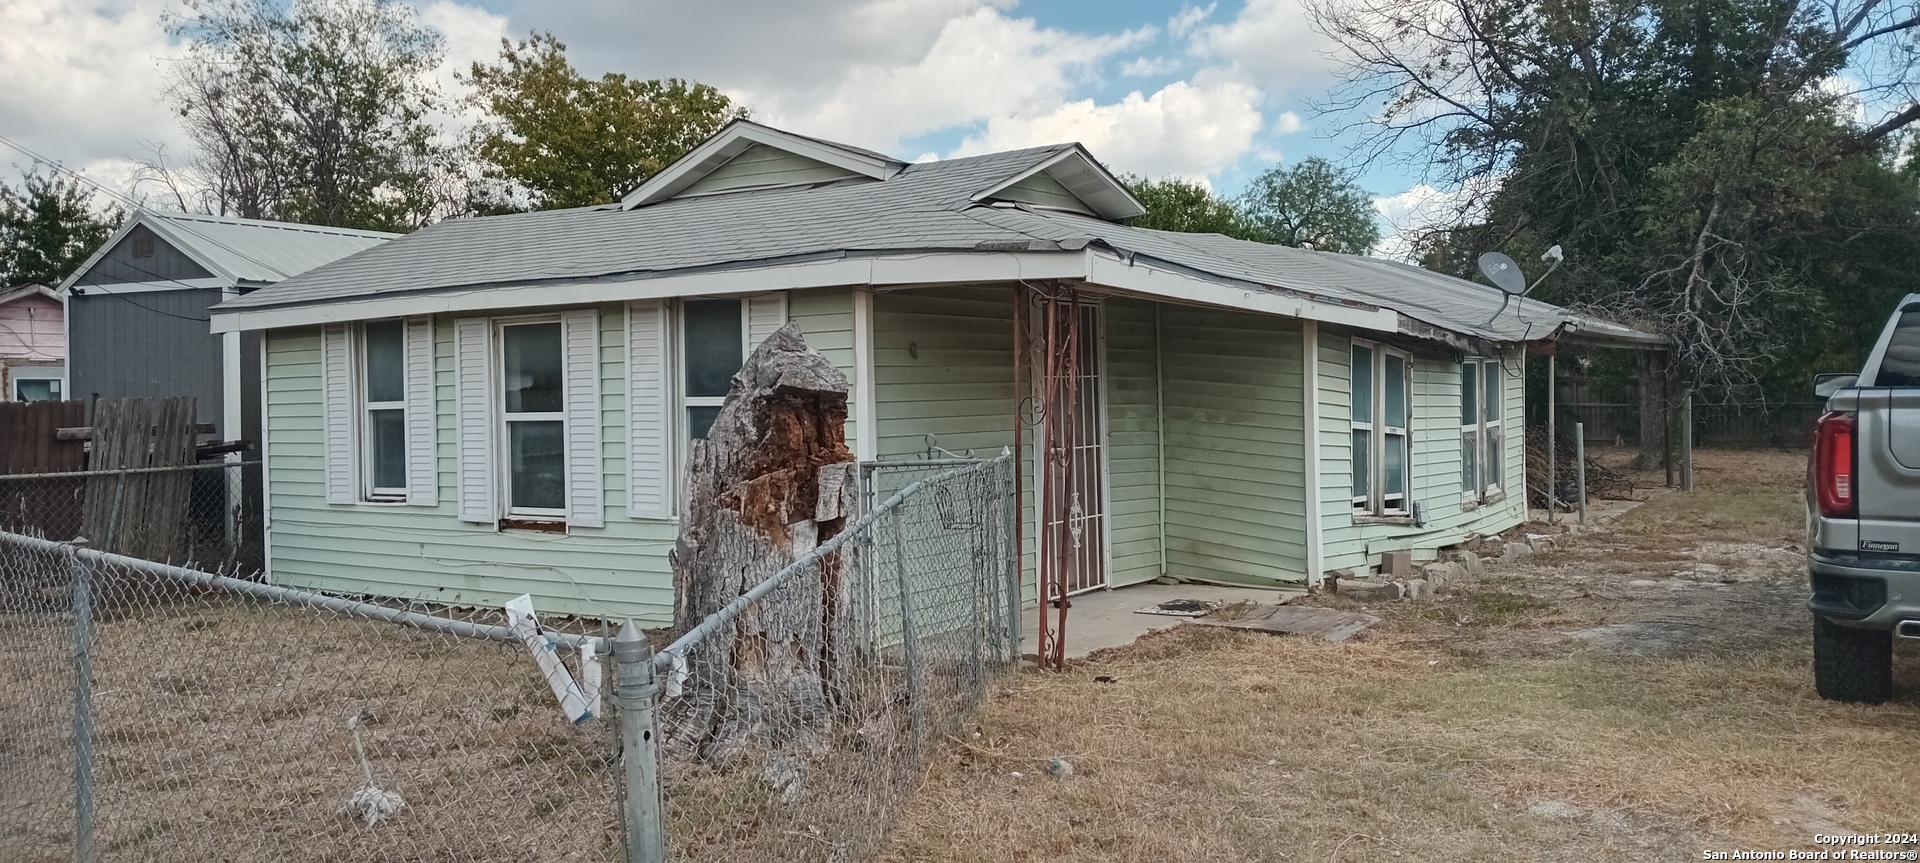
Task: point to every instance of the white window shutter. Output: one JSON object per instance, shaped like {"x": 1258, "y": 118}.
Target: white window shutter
{"x": 423, "y": 475}
{"x": 580, "y": 336}
{"x": 473, "y": 366}
{"x": 765, "y": 313}
{"x": 336, "y": 373}
{"x": 649, "y": 489}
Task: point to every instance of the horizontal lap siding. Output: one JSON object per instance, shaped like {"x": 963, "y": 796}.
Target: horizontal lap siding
{"x": 427, "y": 553}
{"x": 825, "y": 316}
{"x": 943, "y": 366}
{"x": 1436, "y": 461}
{"x": 1133, "y": 442}
{"x": 1235, "y": 446}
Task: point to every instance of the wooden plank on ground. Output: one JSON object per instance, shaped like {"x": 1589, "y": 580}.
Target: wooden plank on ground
{"x": 1330, "y": 624}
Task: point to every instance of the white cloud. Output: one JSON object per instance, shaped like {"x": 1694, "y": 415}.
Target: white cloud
{"x": 1288, "y": 123}
{"x": 1421, "y": 209}
{"x": 1148, "y": 67}
{"x": 982, "y": 66}
{"x": 80, "y": 82}
{"x": 1270, "y": 45}
{"x": 1188, "y": 18}
{"x": 1182, "y": 130}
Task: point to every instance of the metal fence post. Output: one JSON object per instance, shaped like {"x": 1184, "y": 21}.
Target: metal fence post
{"x": 1010, "y": 537}
{"x": 1580, "y": 456}
{"x": 83, "y": 811}
{"x": 635, "y": 690}
{"x": 909, "y": 641}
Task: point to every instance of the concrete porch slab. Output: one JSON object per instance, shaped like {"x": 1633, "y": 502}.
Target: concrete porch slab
{"x": 1107, "y": 618}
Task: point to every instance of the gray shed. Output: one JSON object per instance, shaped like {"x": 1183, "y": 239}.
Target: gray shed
{"x": 136, "y": 316}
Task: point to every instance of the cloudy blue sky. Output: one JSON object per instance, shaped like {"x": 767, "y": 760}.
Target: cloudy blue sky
{"x": 1215, "y": 92}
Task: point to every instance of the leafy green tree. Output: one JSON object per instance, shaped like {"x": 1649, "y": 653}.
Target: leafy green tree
{"x": 48, "y": 227}
{"x": 1691, "y": 156}
{"x": 310, "y": 111}
{"x": 1311, "y": 205}
{"x": 569, "y": 141}
{"x": 1187, "y": 207}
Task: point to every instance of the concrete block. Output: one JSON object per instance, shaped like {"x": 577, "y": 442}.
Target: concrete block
{"x": 1539, "y": 542}
{"x": 1369, "y": 590}
{"x": 1470, "y": 561}
{"x": 1418, "y": 588}
{"x": 1342, "y": 572}
{"x": 1516, "y": 550}
{"x": 1396, "y": 564}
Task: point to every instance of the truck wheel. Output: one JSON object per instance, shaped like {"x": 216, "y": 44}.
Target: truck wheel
{"x": 1852, "y": 664}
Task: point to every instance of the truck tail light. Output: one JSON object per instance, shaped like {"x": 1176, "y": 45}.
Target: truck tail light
{"x": 1835, "y": 462}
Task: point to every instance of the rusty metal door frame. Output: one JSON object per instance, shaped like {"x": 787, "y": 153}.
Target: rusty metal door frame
{"x": 1070, "y": 458}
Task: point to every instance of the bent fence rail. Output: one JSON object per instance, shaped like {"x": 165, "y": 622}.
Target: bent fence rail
{"x": 156, "y": 711}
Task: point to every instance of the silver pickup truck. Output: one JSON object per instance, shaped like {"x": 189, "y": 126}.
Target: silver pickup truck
{"x": 1863, "y": 516}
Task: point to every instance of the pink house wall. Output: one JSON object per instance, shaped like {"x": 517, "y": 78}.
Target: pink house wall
{"x": 31, "y": 329}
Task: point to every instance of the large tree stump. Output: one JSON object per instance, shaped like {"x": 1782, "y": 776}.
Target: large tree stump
{"x": 772, "y": 480}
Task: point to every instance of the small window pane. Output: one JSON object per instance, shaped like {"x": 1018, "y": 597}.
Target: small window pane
{"x": 1900, "y": 367}
{"x": 1362, "y": 377}
{"x": 1494, "y": 456}
{"x": 532, "y": 369}
{"x": 700, "y": 421}
{"x": 1495, "y": 377}
{"x": 388, "y": 433}
{"x": 1395, "y": 457}
{"x": 36, "y": 390}
{"x": 386, "y": 361}
{"x": 1396, "y": 392}
{"x": 537, "y": 464}
{"x": 1470, "y": 461}
{"x": 1362, "y": 464}
{"x": 713, "y": 345}
{"x": 1469, "y": 394}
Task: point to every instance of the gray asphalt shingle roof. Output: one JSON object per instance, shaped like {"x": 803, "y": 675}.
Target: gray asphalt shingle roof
{"x": 925, "y": 207}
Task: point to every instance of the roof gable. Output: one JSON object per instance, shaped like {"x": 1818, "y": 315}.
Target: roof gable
{"x": 1071, "y": 181}
{"x": 763, "y": 167}
{"x": 774, "y": 159}
{"x": 235, "y": 251}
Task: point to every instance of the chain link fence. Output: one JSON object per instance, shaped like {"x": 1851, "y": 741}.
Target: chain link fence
{"x": 205, "y": 515}
{"x": 158, "y": 712}
{"x": 795, "y": 723}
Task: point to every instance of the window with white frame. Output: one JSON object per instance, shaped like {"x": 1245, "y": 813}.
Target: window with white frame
{"x": 1482, "y": 441}
{"x": 533, "y": 419}
{"x": 383, "y": 400}
{"x": 712, "y": 348}
{"x": 377, "y": 420}
{"x": 1379, "y": 420}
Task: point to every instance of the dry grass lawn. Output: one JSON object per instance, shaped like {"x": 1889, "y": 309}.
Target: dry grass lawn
{"x": 1476, "y": 726}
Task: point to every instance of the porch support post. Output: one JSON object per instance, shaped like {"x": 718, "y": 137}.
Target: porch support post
{"x": 866, "y": 426}
{"x": 1310, "y": 411}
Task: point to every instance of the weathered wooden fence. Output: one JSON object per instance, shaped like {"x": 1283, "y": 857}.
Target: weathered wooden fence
{"x": 30, "y": 444}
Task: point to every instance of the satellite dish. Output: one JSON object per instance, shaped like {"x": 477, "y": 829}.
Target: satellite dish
{"x": 1503, "y": 273}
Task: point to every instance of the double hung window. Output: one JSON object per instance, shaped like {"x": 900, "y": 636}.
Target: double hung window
{"x": 713, "y": 346}
{"x": 533, "y": 412}
{"x": 383, "y": 430}
{"x": 1482, "y": 441}
{"x": 1382, "y": 452}
{"x": 377, "y": 418}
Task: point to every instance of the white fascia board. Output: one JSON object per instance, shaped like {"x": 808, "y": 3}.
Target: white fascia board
{"x": 1143, "y": 277}
{"x": 214, "y": 283}
{"x": 735, "y": 139}
{"x": 931, "y": 268}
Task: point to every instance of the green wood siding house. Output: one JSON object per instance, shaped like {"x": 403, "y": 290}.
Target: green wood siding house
{"x": 499, "y": 406}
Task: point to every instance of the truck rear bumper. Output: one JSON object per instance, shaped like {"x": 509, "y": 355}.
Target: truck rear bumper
{"x": 1865, "y": 591}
